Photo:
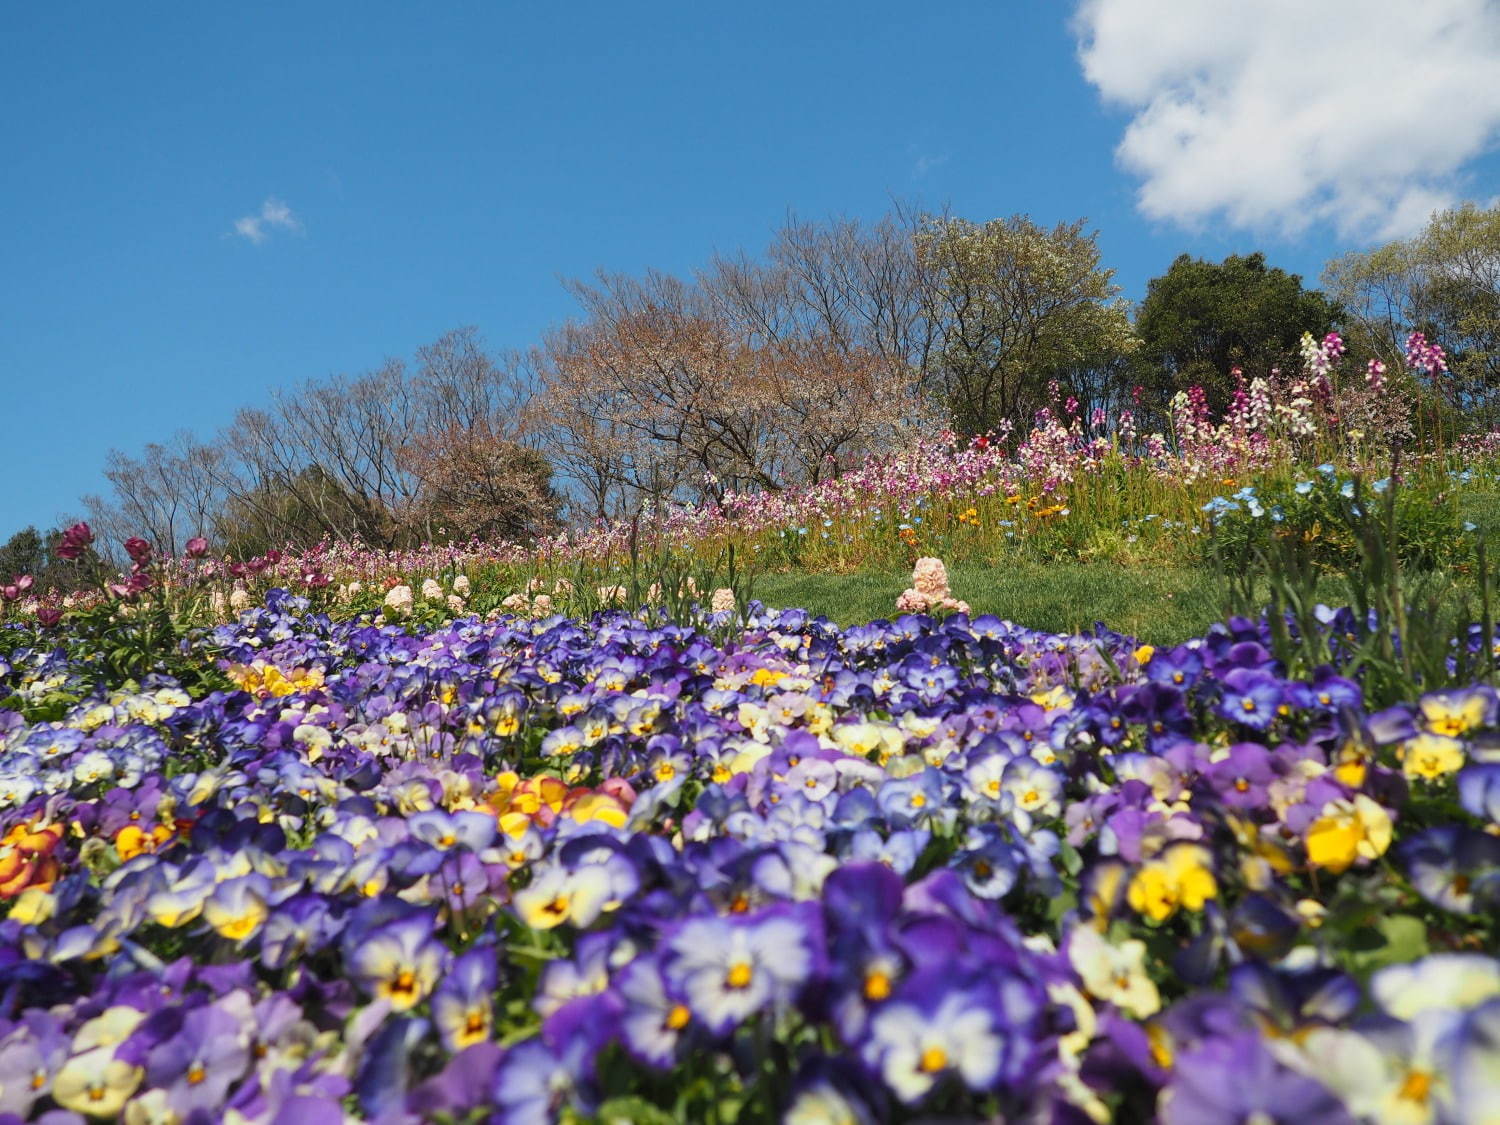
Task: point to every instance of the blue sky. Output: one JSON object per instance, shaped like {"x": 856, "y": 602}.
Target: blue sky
{"x": 443, "y": 165}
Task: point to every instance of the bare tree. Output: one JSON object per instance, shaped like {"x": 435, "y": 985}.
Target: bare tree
{"x": 167, "y": 495}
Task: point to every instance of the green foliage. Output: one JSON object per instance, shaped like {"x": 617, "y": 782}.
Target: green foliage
{"x": 1202, "y": 319}
{"x": 1414, "y": 618}
{"x": 30, "y": 552}
{"x": 1322, "y": 524}
{"x": 1159, "y": 604}
{"x": 117, "y": 643}
{"x": 1444, "y": 282}
{"x": 1014, "y": 305}
{"x": 298, "y": 511}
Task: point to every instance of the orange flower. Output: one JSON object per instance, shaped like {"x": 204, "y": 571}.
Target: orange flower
{"x": 26, "y": 858}
{"x": 132, "y": 841}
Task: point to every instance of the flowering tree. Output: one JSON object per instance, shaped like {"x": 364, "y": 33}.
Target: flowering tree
{"x": 1013, "y": 305}
{"x": 1443, "y": 282}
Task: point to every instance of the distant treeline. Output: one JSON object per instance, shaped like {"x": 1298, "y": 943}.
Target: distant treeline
{"x": 844, "y": 338}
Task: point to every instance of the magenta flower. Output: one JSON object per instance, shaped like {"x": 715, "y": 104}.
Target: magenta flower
{"x": 197, "y": 547}
{"x": 75, "y": 540}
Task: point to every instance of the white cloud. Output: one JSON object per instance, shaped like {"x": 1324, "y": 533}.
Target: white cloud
{"x": 1274, "y": 114}
{"x": 273, "y": 215}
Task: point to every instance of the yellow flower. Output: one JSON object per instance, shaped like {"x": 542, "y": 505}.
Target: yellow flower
{"x": 96, "y": 1083}
{"x": 1431, "y": 756}
{"x": 1455, "y": 713}
{"x": 1114, "y": 973}
{"x": 1348, "y": 830}
{"x": 1181, "y": 877}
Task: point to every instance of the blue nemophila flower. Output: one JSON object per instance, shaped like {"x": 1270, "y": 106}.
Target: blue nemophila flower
{"x": 727, "y": 969}
{"x": 1219, "y": 505}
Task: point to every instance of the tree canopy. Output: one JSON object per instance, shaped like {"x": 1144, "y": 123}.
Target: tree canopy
{"x": 1443, "y": 282}
{"x": 1200, "y": 320}
{"x": 1014, "y": 306}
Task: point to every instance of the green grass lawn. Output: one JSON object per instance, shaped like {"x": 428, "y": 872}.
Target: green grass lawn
{"x": 1161, "y": 606}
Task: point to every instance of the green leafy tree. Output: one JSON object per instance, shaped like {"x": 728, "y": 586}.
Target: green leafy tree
{"x": 29, "y": 551}
{"x": 298, "y": 511}
{"x": 1443, "y": 282}
{"x": 1200, "y": 320}
{"x": 1014, "y": 305}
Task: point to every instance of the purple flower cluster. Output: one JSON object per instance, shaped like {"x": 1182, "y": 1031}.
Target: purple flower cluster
{"x": 530, "y": 870}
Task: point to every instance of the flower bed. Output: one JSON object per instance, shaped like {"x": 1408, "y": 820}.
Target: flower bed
{"x": 535, "y": 869}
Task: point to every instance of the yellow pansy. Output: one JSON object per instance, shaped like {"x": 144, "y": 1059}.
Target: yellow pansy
{"x": 1431, "y": 756}
{"x": 1180, "y": 878}
{"x": 1348, "y": 830}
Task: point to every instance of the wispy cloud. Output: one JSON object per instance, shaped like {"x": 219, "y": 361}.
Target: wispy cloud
{"x": 926, "y": 162}
{"x": 273, "y": 215}
{"x": 1275, "y": 114}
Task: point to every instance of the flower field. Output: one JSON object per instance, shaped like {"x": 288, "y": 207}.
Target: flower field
{"x": 761, "y": 869}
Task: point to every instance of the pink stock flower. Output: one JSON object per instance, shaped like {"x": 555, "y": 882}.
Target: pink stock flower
{"x": 1425, "y": 357}
{"x": 197, "y": 547}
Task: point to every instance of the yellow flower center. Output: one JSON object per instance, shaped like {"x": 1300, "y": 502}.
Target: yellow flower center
{"x": 1417, "y": 1087}
{"x": 933, "y": 1060}
{"x": 877, "y": 985}
{"x": 405, "y": 983}
{"x": 678, "y": 1017}
{"x": 739, "y": 975}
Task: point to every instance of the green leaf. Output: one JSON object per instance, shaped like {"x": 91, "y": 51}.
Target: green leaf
{"x": 1394, "y": 939}
{"x": 633, "y": 1110}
